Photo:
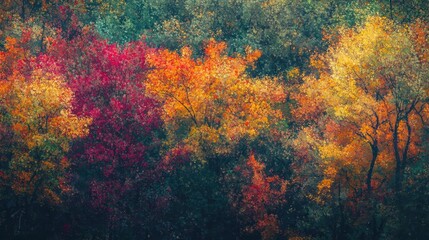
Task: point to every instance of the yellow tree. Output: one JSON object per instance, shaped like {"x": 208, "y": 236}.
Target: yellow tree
{"x": 211, "y": 101}
{"x": 37, "y": 108}
{"x": 370, "y": 100}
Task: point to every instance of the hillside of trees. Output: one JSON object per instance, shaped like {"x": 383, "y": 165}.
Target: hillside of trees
{"x": 214, "y": 119}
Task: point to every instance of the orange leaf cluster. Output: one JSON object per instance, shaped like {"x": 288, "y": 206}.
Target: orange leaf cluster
{"x": 212, "y": 97}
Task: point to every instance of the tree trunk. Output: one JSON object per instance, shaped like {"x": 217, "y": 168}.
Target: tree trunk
{"x": 374, "y": 149}
{"x": 398, "y": 174}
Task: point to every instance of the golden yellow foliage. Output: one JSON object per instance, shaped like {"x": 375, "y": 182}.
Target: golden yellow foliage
{"x": 370, "y": 82}
{"x": 41, "y": 107}
{"x": 40, "y": 110}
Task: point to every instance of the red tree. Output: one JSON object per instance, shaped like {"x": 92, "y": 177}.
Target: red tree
{"x": 121, "y": 148}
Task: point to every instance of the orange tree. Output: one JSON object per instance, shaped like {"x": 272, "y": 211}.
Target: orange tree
{"x": 211, "y": 101}
{"x": 215, "y": 111}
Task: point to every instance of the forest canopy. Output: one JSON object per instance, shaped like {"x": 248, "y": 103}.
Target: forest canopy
{"x": 214, "y": 119}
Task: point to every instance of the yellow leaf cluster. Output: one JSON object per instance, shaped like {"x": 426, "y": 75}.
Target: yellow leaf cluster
{"x": 41, "y": 106}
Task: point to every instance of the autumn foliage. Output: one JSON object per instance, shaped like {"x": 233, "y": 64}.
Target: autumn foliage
{"x": 107, "y": 82}
{"x": 211, "y": 101}
{"x": 258, "y": 200}
{"x": 362, "y": 109}
{"x": 37, "y": 109}
{"x": 165, "y": 119}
